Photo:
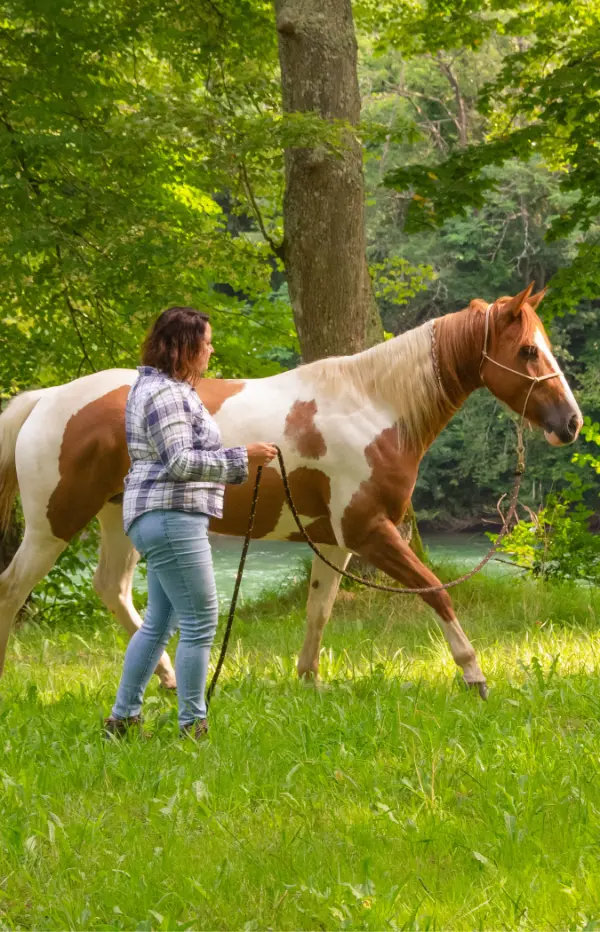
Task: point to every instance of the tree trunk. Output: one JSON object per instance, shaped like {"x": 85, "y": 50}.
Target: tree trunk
{"x": 324, "y": 203}
{"x": 324, "y": 213}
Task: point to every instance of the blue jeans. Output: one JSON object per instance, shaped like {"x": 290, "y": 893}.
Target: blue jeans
{"x": 181, "y": 589}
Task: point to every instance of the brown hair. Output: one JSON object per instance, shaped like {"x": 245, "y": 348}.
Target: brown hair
{"x": 174, "y": 342}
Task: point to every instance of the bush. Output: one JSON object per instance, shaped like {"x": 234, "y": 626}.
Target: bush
{"x": 557, "y": 542}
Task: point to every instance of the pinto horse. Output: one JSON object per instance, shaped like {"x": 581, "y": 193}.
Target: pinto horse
{"x": 352, "y": 431}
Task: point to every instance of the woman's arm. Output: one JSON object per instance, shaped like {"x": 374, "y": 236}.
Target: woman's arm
{"x": 169, "y": 420}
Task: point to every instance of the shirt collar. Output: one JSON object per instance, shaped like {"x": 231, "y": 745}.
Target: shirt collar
{"x": 157, "y": 374}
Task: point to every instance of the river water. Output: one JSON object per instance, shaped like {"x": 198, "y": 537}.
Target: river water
{"x": 273, "y": 564}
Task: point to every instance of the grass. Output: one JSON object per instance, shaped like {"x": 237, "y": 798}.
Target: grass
{"x": 392, "y": 798}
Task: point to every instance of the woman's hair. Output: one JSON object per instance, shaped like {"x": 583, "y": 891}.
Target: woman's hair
{"x": 174, "y": 342}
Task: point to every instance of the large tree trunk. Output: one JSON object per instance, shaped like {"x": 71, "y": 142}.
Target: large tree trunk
{"x": 324, "y": 203}
{"x": 324, "y": 213}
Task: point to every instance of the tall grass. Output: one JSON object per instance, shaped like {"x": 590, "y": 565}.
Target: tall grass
{"x": 391, "y": 798}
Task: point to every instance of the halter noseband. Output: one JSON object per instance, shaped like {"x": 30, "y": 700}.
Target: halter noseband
{"x": 534, "y": 379}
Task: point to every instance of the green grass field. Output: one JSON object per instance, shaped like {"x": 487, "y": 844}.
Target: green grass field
{"x": 391, "y": 798}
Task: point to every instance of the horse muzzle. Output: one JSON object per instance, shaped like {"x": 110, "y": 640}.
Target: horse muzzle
{"x": 559, "y": 432}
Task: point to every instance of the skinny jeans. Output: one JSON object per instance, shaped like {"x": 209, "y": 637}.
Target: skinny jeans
{"x": 181, "y": 591}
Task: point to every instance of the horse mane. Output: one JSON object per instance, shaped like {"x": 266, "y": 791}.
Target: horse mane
{"x": 398, "y": 373}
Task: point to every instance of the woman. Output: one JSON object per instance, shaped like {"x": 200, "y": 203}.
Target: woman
{"x": 176, "y": 482}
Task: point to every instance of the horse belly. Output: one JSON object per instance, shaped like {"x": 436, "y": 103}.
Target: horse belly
{"x": 311, "y": 493}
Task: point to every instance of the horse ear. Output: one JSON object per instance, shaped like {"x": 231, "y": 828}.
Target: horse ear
{"x": 514, "y": 305}
{"x": 535, "y": 299}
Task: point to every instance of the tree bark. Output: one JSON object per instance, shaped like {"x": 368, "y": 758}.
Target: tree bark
{"x": 324, "y": 213}
{"x": 324, "y": 203}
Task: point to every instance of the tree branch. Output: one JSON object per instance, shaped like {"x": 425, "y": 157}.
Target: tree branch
{"x": 276, "y": 248}
{"x": 461, "y": 121}
{"x": 73, "y": 315}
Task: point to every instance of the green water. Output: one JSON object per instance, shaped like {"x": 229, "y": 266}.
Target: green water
{"x": 274, "y": 564}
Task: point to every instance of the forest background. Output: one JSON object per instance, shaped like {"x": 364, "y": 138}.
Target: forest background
{"x": 142, "y": 165}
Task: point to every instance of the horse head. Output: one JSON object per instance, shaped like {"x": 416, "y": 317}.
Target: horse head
{"x": 518, "y": 367}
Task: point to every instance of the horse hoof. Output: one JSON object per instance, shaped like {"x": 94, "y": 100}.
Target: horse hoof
{"x": 481, "y": 687}
{"x": 308, "y": 676}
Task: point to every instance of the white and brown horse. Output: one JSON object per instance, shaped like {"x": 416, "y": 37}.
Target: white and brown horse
{"x": 352, "y": 431}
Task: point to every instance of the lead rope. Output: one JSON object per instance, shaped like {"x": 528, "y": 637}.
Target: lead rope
{"x": 359, "y": 579}
{"x": 236, "y": 588}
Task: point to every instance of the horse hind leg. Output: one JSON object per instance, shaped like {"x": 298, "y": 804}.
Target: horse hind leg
{"x": 323, "y": 589}
{"x": 35, "y": 557}
{"x": 113, "y": 580}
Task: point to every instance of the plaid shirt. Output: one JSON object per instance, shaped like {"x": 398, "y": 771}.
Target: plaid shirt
{"x": 178, "y": 461}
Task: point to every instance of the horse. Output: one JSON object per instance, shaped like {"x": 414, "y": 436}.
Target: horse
{"x": 352, "y": 430}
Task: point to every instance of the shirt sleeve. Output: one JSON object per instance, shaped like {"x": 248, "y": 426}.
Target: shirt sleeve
{"x": 169, "y": 420}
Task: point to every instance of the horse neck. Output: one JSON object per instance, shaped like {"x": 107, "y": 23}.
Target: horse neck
{"x": 460, "y": 339}
{"x": 399, "y": 376}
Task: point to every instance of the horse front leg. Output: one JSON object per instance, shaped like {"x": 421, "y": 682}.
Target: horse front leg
{"x": 384, "y": 547}
{"x": 323, "y": 588}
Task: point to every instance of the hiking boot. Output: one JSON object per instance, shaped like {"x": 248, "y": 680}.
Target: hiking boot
{"x": 120, "y": 727}
{"x": 195, "y": 730}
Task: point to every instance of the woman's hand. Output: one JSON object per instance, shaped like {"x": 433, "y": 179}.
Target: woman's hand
{"x": 261, "y": 453}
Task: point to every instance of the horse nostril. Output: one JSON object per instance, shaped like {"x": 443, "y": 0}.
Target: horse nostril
{"x": 573, "y": 425}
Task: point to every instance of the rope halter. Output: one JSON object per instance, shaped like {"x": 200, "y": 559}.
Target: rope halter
{"x": 534, "y": 379}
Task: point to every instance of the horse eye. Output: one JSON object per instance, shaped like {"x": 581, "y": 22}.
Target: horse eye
{"x": 529, "y": 352}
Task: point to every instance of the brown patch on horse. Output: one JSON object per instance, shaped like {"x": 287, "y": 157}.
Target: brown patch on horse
{"x": 93, "y": 462}
{"x": 385, "y": 495}
{"x": 301, "y": 431}
{"x": 319, "y": 531}
{"x": 237, "y": 505}
{"x": 310, "y": 490}
{"x": 214, "y": 393}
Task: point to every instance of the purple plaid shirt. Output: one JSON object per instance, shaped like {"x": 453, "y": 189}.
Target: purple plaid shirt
{"x": 178, "y": 461}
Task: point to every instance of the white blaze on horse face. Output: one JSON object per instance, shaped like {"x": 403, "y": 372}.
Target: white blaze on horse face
{"x": 545, "y": 350}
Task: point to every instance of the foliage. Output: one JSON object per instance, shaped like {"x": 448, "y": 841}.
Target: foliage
{"x": 137, "y": 140}
{"x": 393, "y": 798}
{"x": 590, "y": 432}
{"x": 557, "y": 541}
{"x": 396, "y": 280}
{"x": 544, "y": 101}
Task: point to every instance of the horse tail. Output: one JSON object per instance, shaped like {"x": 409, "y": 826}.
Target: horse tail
{"x": 11, "y": 422}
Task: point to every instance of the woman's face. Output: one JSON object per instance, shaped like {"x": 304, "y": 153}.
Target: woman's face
{"x": 206, "y": 351}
